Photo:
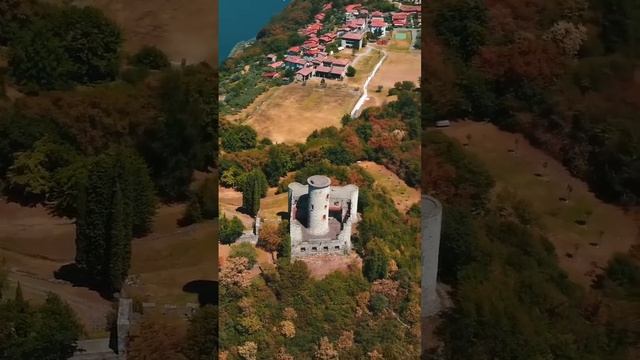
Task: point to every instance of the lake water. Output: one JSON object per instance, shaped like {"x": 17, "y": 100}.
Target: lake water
{"x": 241, "y": 20}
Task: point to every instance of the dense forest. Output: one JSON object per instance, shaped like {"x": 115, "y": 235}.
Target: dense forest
{"x": 510, "y": 298}
{"x": 564, "y": 73}
{"x": 285, "y": 313}
{"x": 97, "y": 136}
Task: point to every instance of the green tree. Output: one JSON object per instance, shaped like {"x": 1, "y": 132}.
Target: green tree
{"x": 115, "y": 204}
{"x": 150, "y": 57}
{"x": 339, "y": 155}
{"x": 375, "y": 266}
{"x": 193, "y": 212}
{"x": 202, "y": 334}
{"x": 462, "y": 25}
{"x": 238, "y": 137}
{"x": 47, "y": 332}
{"x": 244, "y": 250}
{"x": 351, "y": 71}
{"x": 68, "y": 45}
{"x": 279, "y": 163}
{"x": 254, "y": 188}
{"x": 230, "y": 230}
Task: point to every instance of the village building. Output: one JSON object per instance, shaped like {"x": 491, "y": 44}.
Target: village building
{"x": 294, "y": 51}
{"x": 304, "y": 74}
{"x": 352, "y": 40}
{"x": 357, "y": 25}
{"x": 276, "y": 64}
{"x": 321, "y": 217}
{"x": 400, "y": 19}
{"x": 351, "y": 11}
{"x": 378, "y": 27}
{"x": 294, "y": 62}
{"x": 272, "y": 57}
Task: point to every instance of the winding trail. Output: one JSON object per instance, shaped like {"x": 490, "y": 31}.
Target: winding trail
{"x": 365, "y": 93}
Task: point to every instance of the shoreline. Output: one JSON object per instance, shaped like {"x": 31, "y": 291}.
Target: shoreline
{"x": 239, "y": 46}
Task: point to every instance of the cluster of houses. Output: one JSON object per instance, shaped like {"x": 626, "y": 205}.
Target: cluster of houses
{"x": 311, "y": 58}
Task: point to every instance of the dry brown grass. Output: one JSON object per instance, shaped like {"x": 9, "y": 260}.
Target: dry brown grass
{"x": 36, "y": 244}
{"x": 403, "y": 196}
{"x": 183, "y": 29}
{"x": 608, "y": 226}
{"x": 291, "y": 113}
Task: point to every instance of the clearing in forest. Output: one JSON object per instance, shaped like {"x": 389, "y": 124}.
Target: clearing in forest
{"x": 290, "y": 113}
{"x": 403, "y": 195}
{"x": 174, "y": 265}
{"x": 582, "y": 248}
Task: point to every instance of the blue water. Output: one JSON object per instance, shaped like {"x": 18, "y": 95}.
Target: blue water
{"x": 241, "y": 20}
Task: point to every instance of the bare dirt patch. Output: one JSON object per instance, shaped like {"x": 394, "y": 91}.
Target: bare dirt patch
{"x": 322, "y": 265}
{"x": 582, "y": 249}
{"x": 292, "y": 112}
{"x": 403, "y": 196}
{"x": 183, "y": 29}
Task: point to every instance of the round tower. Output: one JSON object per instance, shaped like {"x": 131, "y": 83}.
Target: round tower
{"x": 319, "y": 190}
{"x": 431, "y": 227}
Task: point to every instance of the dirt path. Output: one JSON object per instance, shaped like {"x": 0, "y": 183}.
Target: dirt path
{"x": 365, "y": 92}
{"x": 582, "y": 249}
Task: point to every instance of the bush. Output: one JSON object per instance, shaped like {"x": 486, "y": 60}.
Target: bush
{"x": 230, "y": 230}
{"x": 244, "y": 250}
{"x": 68, "y": 45}
{"x": 238, "y": 137}
{"x": 351, "y": 71}
{"x": 150, "y": 57}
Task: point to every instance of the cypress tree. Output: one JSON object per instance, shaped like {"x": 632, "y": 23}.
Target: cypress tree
{"x": 116, "y": 203}
{"x": 253, "y": 188}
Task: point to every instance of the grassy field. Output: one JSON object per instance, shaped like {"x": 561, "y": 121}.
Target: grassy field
{"x": 581, "y": 249}
{"x": 183, "y": 29}
{"x": 398, "y": 66}
{"x": 364, "y": 66}
{"x": 270, "y": 206}
{"x": 403, "y": 196}
{"x": 400, "y": 41}
{"x": 291, "y": 113}
{"x": 36, "y": 244}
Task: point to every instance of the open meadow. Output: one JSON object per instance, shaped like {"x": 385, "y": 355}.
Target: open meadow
{"x": 403, "y": 196}
{"x": 583, "y": 249}
{"x": 290, "y": 113}
{"x": 172, "y": 265}
{"x": 182, "y": 29}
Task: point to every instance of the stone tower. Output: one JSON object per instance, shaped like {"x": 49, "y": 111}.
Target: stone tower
{"x": 319, "y": 191}
{"x": 431, "y": 227}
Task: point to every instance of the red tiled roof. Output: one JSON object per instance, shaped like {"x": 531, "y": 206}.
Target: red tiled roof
{"x": 352, "y": 7}
{"x": 340, "y": 62}
{"x": 270, "y": 74}
{"x": 338, "y": 70}
{"x": 305, "y": 71}
{"x": 377, "y": 14}
{"x": 353, "y": 36}
{"x": 294, "y": 49}
{"x": 327, "y": 7}
{"x": 356, "y": 22}
{"x": 410, "y": 8}
{"x": 312, "y": 52}
{"x": 295, "y": 60}
{"x": 378, "y": 23}
{"x": 399, "y": 16}
{"x": 276, "y": 64}
{"x": 323, "y": 69}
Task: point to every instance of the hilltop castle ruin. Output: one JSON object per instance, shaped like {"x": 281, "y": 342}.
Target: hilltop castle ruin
{"x": 321, "y": 217}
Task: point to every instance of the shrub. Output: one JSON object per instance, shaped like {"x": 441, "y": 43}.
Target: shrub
{"x": 244, "y": 250}
{"x": 150, "y": 57}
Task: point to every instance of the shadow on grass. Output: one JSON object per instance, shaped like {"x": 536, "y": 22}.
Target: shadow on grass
{"x": 79, "y": 278}
{"x": 207, "y": 291}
